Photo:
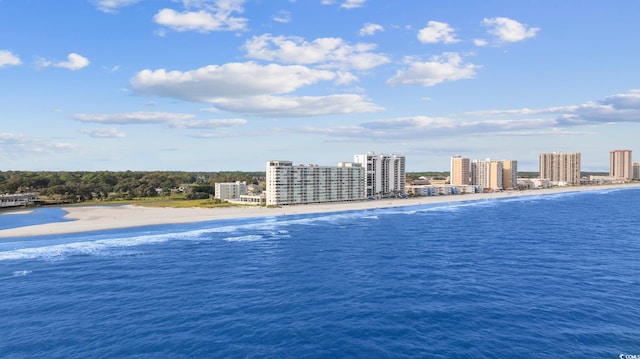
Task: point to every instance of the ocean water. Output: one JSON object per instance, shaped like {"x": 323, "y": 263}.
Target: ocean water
{"x": 528, "y": 277}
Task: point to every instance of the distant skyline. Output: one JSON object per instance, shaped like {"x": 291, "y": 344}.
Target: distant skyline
{"x": 213, "y": 85}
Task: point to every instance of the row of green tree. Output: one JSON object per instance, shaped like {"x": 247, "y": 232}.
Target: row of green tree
{"x": 83, "y": 186}
{"x": 106, "y": 185}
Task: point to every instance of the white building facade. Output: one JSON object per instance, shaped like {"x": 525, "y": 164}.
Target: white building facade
{"x": 230, "y": 190}
{"x": 18, "y": 200}
{"x": 487, "y": 174}
{"x": 304, "y": 184}
{"x": 385, "y": 174}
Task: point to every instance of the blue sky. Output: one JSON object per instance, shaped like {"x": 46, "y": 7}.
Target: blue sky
{"x": 211, "y": 85}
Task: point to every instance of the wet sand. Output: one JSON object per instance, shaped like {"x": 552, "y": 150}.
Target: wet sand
{"x": 96, "y": 217}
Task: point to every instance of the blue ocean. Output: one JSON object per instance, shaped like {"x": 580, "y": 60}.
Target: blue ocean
{"x": 553, "y": 276}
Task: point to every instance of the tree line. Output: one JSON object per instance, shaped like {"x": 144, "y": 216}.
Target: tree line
{"x": 81, "y": 186}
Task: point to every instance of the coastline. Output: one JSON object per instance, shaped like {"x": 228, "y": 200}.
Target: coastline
{"x": 96, "y": 217}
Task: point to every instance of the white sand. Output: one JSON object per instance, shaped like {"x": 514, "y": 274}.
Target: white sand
{"x": 93, "y": 218}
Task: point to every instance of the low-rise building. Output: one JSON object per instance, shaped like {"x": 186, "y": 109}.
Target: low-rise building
{"x": 250, "y": 199}
{"x": 440, "y": 182}
{"x": 18, "y": 200}
{"x": 441, "y": 189}
{"x": 534, "y": 183}
{"x": 448, "y": 190}
{"x": 422, "y": 190}
{"x": 418, "y": 182}
{"x": 593, "y": 179}
{"x": 471, "y": 189}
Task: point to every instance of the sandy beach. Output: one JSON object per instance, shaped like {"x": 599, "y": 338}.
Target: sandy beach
{"x": 96, "y": 217}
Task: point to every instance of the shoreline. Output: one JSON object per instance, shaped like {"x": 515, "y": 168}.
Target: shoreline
{"x": 96, "y": 217}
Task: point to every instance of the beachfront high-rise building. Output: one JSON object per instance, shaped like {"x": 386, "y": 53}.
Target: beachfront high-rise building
{"x": 560, "y": 167}
{"x": 509, "y": 174}
{"x": 230, "y": 190}
{"x": 303, "y": 184}
{"x": 487, "y": 173}
{"x": 636, "y": 170}
{"x": 460, "y": 175}
{"x": 385, "y": 174}
{"x": 620, "y": 164}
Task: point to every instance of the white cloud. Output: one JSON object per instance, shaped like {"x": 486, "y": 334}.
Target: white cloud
{"x": 616, "y": 108}
{"x": 210, "y": 15}
{"x": 437, "y": 32}
{"x": 9, "y": 59}
{"x": 347, "y": 4}
{"x": 562, "y": 120}
{"x": 112, "y": 6}
{"x": 74, "y": 62}
{"x": 140, "y": 117}
{"x": 329, "y": 52}
{"x": 415, "y": 127}
{"x": 369, "y": 29}
{"x": 521, "y": 112}
{"x": 13, "y": 145}
{"x": 232, "y": 80}
{"x": 480, "y": 42}
{"x": 630, "y": 100}
{"x": 110, "y": 132}
{"x": 8, "y": 138}
{"x": 60, "y": 146}
{"x": 344, "y": 78}
{"x": 224, "y": 135}
{"x": 208, "y": 124}
{"x": 196, "y": 21}
{"x": 446, "y": 67}
{"x": 612, "y": 109}
{"x": 42, "y": 62}
{"x": 174, "y": 120}
{"x": 352, "y": 4}
{"x": 508, "y": 30}
{"x": 284, "y": 106}
{"x": 282, "y": 17}
{"x": 249, "y": 88}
